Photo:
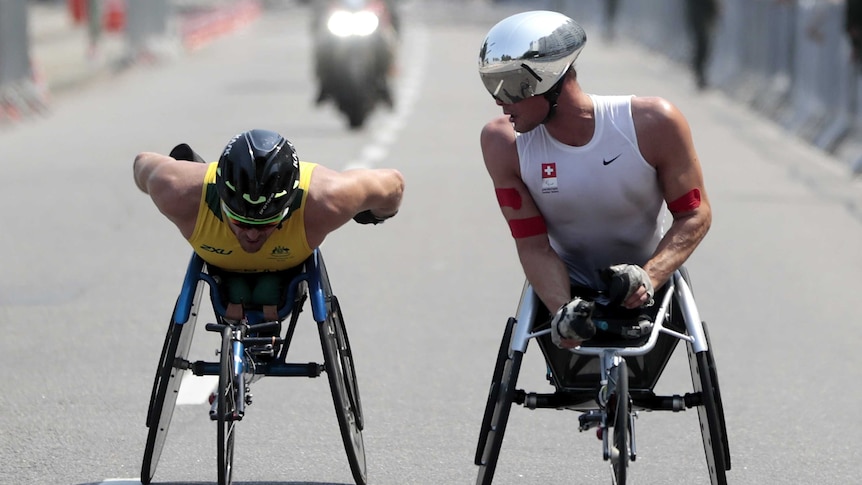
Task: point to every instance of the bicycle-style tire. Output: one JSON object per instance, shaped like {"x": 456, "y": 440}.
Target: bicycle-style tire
{"x": 502, "y": 356}
{"x": 504, "y": 396}
{"x": 163, "y": 397}
{"x": 340, "y": 371}
{"x": 621, "y": 442}
{"x": 710, "y": 412}
{"x": 226, "y": 408}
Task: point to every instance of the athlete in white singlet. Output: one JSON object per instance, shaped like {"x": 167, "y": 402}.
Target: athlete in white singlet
{"x": 583, "y": 180}
{"x": 601, "y": 202}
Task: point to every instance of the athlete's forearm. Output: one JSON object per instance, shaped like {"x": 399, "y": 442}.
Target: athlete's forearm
{"x": 546, "y": 272}
{"x": 680, "y": 241}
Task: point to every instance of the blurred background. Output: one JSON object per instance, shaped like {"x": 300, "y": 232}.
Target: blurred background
{"x": 796, "y": 62}
{"x": 90, "y": 270}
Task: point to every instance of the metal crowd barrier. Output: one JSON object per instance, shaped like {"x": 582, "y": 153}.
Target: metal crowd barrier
{"x": 787, "y": 59}
{"x": 22, "y": 93}
{"x": 18, "y": 92}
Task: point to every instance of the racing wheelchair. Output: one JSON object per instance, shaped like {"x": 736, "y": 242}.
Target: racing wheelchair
{"x": 254, "y": 347}
{"x": 611, "y": 377}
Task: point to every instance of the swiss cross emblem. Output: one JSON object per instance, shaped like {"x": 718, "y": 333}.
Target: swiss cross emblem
{"x": 549, "y": 178}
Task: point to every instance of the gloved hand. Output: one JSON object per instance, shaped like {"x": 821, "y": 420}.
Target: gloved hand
{"x": 185, "y": 152}
{"x": 573, "y": 321}
{"x": 623, "y": 281}
{"x": 368, "y": 217}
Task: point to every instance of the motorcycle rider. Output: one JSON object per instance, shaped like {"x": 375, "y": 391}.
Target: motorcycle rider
{"x": 386, "y": 39}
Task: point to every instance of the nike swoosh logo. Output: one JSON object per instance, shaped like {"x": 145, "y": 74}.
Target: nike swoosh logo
{"x": 608, "y": 162}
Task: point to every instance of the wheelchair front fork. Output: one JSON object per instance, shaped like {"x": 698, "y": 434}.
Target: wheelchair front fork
{"x": 601, "y": 417}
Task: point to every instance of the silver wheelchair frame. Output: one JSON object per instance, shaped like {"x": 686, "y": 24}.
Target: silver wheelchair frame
{"x": 605, "y": 397}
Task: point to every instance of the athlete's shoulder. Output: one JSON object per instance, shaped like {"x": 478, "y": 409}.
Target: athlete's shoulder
{"x": 497, "y": 133}
{"x": 654, "y": 107}
{"x": 656, "y": 114}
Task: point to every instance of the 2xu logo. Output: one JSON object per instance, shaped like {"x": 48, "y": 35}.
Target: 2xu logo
{"x": 211, "y": 249}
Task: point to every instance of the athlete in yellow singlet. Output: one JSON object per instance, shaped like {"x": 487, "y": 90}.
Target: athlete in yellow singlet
{"x": 258, "y": 213}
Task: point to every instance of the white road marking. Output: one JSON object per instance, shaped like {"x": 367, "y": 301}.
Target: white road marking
{"x": 196, "y": 389}
{"x": 389, "y": 126}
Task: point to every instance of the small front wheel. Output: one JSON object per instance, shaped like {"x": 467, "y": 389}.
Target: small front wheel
{"x": 620, "y": 453}
{"x": 226, "y": 409}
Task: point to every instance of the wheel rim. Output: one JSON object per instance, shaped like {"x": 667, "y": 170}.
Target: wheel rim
{"x": 164, "y": 395}
{"x": 347, "y": 370}
{"x": 500, "y": 418}
{"x": 502, "y": 356}
{"x": 342, "y": 379}
{"x": 347, "y": 421}
{"x": 709, "y": 418}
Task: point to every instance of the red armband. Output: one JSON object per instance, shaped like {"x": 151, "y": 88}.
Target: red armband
{"x": 531, "y": 226}
{"x": 508, "y": 198}
{"x": 688, "y": 202}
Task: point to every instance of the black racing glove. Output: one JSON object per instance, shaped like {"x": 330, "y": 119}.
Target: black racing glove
{"x": 368, "y": 217}
{"x": 623, "y": 280}
{"x": 185, "y": 152}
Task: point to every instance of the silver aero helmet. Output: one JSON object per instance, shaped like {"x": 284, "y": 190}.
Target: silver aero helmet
{"x": 526, "y": 54}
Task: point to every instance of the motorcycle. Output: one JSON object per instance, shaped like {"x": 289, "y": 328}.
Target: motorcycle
{"x": 354, "y": 51}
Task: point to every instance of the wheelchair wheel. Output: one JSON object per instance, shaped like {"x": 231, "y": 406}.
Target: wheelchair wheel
{"x": 342, "y": 382}
{"x": 710, "y": 413}
{"x": 502, "y": 355}
{"x": 620, "y": 452}
{"x": 226, "y": 410}
{"x": 503, "y": 392}
{"x": 163, "y": 397}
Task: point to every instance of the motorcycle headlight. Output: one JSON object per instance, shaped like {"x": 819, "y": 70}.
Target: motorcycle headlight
{"x": 343, "y": 23}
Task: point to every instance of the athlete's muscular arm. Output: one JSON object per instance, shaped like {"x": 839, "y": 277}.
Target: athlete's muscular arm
{"x": 335, "y": 197}
{"x": 543, "y": 268}
{"x": 665, "y": 140}
{"x": 175, "y": 187}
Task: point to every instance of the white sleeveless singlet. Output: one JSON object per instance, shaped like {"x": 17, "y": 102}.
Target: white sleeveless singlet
{"x": 601, "y": 202}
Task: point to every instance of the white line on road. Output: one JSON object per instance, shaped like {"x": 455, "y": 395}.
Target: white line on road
{"x": 196, "y": 389}
{"x": 378, "y": 149}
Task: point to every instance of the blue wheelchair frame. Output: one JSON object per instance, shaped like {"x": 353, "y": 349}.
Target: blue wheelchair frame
{"x": 312, "y": 283}
{"x": 195, "y": 273}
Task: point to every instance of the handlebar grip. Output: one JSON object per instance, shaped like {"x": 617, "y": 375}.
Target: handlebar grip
{"x": 215, "y": 327}
{"x": 259, "y": 327}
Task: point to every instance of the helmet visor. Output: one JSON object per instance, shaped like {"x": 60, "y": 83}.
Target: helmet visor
{"x": 248, "y": 221}
{"x": 512, "y": 85}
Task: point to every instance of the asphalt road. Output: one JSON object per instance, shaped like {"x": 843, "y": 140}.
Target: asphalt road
{"x": 91, "y": 271}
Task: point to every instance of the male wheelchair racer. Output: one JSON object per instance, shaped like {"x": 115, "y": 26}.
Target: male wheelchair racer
{"x": 610, "y": 377}
{"x": 254, "y": 347}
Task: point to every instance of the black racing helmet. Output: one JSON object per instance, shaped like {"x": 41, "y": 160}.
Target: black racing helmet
{"x": 257, "y": 177}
